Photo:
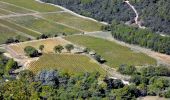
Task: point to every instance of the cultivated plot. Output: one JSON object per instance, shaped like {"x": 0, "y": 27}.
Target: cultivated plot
{"x": 43, "y": 26}
{"x": 33, "y": 5}
{"x": 74, "y": 21}
{"x": 13, "y": 8}
{"x": 5, "y": 12}
{"x": 6, "y": 33}
{"x": 73, "y": 64}
{"x": 19, "y": 28}
{"x": 115, "y": 54}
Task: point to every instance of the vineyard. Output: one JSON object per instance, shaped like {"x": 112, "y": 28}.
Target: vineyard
{"x": 13, "y": 8}
{"x": 5, "y": 33}
{"x": 43, "y": 26}
{"x": 19, "y": 28}
{"x": 48, "y": 45}
{"x": 74, "y": 21}
{"x": 4, "y": 12}
{"x": 32, "y": 5}
{"x": 114, "y": 54}
{"x": 72, "y": 64}
{"x": 30, "y": 19}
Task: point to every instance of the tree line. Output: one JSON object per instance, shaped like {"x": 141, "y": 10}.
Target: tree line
{"x": 142, "y": 37}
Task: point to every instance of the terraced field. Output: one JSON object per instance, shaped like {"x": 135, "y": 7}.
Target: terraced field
{"x": 5, "y": 12}
{"x": 73, "y": 64}
{"x": 42, "y": 26}
{"x": 114, "y": 54}
{"x": 74, "y": 21}
{"x": 19, "y": 28}
{"x": 48, "y": 45}
{"x": 6, "y": 33}
{"x": 13, "y": 8}
{"x": 32, "y": 5}
{"x": 32, "y": 18}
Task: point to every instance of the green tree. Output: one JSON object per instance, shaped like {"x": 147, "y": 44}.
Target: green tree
{"x": 10, "y": 64}
{"x": 41, "y": 47}
{"x": 31, "y": 51}
{"x": 58, "y": 49}
{"x": 69, "y": 47}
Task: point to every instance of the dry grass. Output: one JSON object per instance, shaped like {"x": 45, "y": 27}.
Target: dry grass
{"x": 48, "y": 43}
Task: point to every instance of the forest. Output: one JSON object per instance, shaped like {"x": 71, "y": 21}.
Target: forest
{"x": 142, "y": 37}
{"x": 154, "y": 14}
{"x": 55, "y": 84}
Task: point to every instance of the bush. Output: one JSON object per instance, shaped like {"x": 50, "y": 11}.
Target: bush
{"x": 31, "y": 51}
{"x": 128, "y": 70}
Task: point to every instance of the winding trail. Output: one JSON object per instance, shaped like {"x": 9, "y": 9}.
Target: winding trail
{"x": 137, "y": 15}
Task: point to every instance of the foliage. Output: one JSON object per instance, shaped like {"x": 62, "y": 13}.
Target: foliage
{"x": 41, "y": 47}
{"x": 58, "y": 49}
{"x": 125, "y": 69}
{"x": 144, "y": 38}
{"x": 69, "y": 47}
{"x": 11, "y": 64}
{"x": 31, "y": 51}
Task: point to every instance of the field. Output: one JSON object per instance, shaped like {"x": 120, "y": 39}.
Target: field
{"x": 5, "y": 12}
{"x": 13, "y": 8}
{"x": 112, "y": 52}
{"x": 72, "y": 64}
{"x": 74, "y": 21}
{"x": 48, "y": 45}
{"x": 19, "y": 28}
{"x": 32, "y": 18}
{"x": 33, "y": 5}
{"x": 6, "y": 33}
{"x": 43, "y": 26}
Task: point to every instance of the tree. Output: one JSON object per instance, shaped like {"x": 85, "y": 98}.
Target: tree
{"x": 48, "y": 77}
{"x": 31, "y": 51}
{"x": 10, "y": 64}
{"x": 114, "y": 83}
{"x": 41, "y": 47}
{"x": 126, "y": 69}
{"x": 69, "y": 47}
{"x": 58, "y": 49}
{"x": 26, "y": 75}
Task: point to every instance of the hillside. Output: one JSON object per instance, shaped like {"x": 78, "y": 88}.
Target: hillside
{"x": 154, "y": 14}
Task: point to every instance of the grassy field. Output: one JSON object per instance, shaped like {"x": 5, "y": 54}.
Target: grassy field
{"x": 19, "y": 28}
{"x": 13, "y": 8}
{"x": 48, "y": 45}
{"x": 42, "y": 26}
{"x": 112, "y": 52}
{"x": 6, "y": 33}
{"x": 72, "y": 64}
{"x": 33, "y": 5}
{"x": 74, "y": 21}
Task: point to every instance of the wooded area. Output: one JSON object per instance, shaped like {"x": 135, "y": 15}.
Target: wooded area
{"x": 154, "y": 14}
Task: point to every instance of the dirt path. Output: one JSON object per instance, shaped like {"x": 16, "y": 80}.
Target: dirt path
{"x": 137, "y": 15}
{"x": 27, "y": 14}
